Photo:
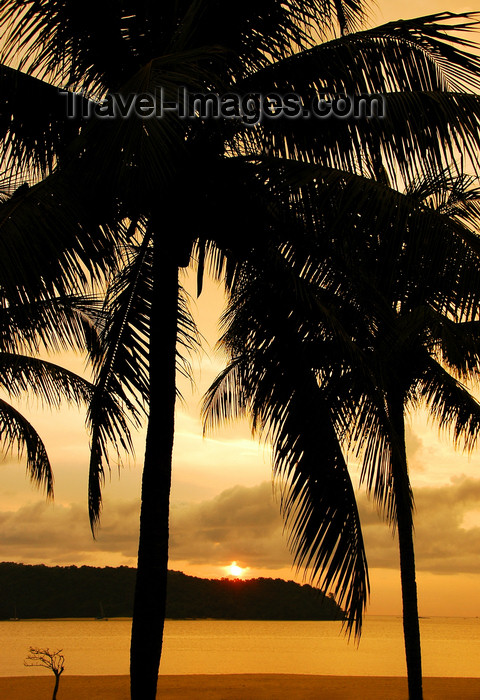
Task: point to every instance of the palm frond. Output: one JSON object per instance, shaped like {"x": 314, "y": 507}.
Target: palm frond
{"x": 271, "y": 379}
{"x": 419, "y": 132}
{"x": 121, "y": 372}
{"x": 317, "y": 497}
{"x": 384, "y": 229}
{"x": 49, "y": 382}
{"x": 97, "y": 47}
{"x": 51, "y": 324}
{"x": 16, "y": 431}
{"x": 54, "y": 239}
{"x": 225, "y": 400}
{"x": 450, "y": 403}
{"x": 188, "y": 337}
{"x": 34, "y": 124}
{"x": 318, "y": 500}
{"x": 422, "y": 54}
{"x": 424, "y": 71}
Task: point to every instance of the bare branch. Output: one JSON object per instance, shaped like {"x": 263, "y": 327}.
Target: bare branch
{"x": 53, "y": 660}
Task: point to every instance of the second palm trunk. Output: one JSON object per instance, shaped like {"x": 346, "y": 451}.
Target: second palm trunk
{"x": 404, "y": 507}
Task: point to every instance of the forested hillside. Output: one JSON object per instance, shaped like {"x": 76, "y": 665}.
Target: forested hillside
{"x": 43, "y": 592}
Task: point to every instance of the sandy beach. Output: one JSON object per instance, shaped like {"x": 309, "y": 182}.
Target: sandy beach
{"x": 244, "y": 686}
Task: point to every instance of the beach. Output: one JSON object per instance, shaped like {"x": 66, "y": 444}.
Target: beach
{"x": 235, "y": 686}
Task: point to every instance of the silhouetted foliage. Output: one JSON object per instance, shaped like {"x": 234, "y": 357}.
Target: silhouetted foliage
{"x": 71, "y": 591}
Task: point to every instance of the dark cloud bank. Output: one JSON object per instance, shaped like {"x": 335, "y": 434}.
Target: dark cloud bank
{"x": 243, "y": 524}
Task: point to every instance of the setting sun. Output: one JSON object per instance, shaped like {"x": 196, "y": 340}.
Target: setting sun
{"x": 236, "y": 570}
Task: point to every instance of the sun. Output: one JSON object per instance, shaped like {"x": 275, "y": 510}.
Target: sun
{"x": 236, "y": 570}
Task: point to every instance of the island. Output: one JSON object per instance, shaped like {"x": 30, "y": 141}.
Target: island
{"x": 39, "y": 591}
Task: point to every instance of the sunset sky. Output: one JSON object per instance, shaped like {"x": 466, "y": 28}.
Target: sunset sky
{"x": 223, "y": 509}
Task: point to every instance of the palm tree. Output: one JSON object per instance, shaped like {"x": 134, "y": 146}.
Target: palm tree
{"x": 425, "y": 342}
{"x": 111, "y": 182}
{"x": 377, "y": 322}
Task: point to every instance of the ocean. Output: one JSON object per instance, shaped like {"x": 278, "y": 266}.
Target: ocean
{"x": 451, "y": 647}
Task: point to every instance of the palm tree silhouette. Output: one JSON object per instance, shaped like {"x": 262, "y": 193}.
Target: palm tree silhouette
{"x": 154, "y": 184}
{"x": 372, "y": 325}
{"x": 425, "y": 342}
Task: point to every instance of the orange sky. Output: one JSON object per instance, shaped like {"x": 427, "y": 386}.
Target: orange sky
{"x": 222, "y": 507}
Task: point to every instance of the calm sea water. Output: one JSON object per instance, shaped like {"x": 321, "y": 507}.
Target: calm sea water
{"x": 451, "y": 647}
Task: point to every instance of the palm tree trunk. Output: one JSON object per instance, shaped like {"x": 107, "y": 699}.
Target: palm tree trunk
{"x": 151, "y": 582}
{"x": 404, "y": 506}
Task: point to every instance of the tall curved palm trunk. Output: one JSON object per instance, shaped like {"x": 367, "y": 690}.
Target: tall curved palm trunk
{"x": 151, "y": 582}
{"x": 404, "y": 515}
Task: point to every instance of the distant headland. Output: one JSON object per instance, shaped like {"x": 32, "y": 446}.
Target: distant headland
{"x": 40, "y": 591}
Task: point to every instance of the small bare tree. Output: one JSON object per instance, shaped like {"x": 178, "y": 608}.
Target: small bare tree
{"x": 53, "y": 660}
